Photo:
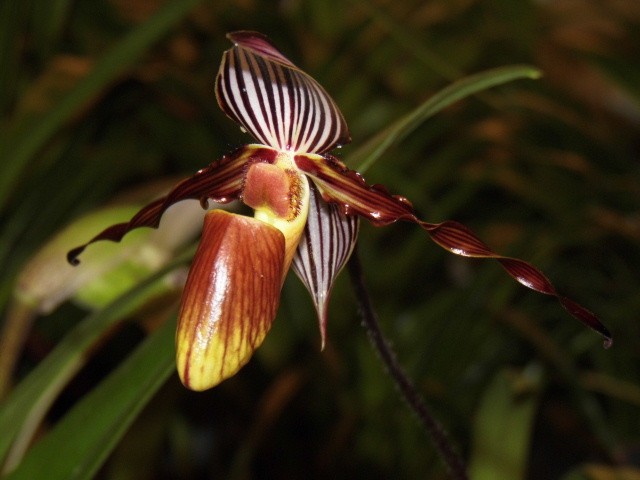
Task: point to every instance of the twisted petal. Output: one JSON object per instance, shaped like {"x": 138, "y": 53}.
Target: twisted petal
{"x": 276, "y": 102}
{"x": 221, "y": 182}
{"x": 348, "y": 189}
{"x": 326, "y": 245}
{"x": 230, "y": 299}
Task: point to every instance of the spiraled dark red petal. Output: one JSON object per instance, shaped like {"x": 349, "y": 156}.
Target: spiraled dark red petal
{"x": 326, "y": 245}
{"x": 276, "y": 102}
{"x": 220, "y": 182}
{"x": 348, "y": 189}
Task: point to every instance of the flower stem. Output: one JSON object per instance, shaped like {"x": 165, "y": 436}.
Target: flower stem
{"x": 436, "y": 432}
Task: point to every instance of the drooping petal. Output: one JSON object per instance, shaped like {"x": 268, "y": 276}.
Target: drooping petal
{"x": 326, "y": 245}
{"x": 230, "y": 298}
{"x": 276, "y": 102}
{"x": 348, "y": 189}
{"x": 220, "y": 182}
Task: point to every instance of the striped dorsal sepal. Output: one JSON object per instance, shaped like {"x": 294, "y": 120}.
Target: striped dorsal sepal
{"x": 276, "y": 102}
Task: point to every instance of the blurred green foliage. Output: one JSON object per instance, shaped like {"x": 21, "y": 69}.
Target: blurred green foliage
{"x": 99, "y": 96}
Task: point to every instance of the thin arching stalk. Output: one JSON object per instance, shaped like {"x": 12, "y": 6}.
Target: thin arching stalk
{"x": 436, "y": 432}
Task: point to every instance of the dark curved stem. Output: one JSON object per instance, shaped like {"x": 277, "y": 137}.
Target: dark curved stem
{"x": 438, "y": 435}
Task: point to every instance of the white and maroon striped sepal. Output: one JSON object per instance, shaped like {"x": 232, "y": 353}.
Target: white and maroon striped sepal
{"x": 275, "y": 101}
{"x": 326, "y": 245}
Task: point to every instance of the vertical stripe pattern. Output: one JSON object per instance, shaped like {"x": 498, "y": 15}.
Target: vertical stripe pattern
{"x": 325, "y": 247}
{"x": 276, "y": 102}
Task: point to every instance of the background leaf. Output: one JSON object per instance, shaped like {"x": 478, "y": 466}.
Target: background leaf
{"x": 22, "y": 411}
{"x": 503, "y": 424}
{"x": 376, "y": 147}
{"x": 77, "y": 446}
{"x": 22, "y": 144}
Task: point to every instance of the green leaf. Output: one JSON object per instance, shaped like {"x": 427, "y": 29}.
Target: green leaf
{"x": 503, "y": 426}
{"x": 23, "y": 409}
{"x": 80, "y": 443}
{"x": 375, "y": 147}
{"x": 12, "y": 23}
{"x": 48, "y": 21}
{"x": 18, "y": 150}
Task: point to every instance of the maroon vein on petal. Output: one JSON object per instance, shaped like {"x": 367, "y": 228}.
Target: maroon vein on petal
{"x": 220, "y": 182}
{"x": 326, "y": 245}
{"x": 348, "y": 189}
{"x": 230, "y": 299}
{"x": 276, "y": 102}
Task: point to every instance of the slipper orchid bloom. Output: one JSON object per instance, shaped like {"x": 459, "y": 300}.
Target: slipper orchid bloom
{"x": 307, "y": 204}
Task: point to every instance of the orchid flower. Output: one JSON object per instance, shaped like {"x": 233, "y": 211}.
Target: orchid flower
{"x": 307, "y": 204}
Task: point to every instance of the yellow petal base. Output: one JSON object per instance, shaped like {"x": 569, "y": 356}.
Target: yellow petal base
{"x": 230, "y": 298}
